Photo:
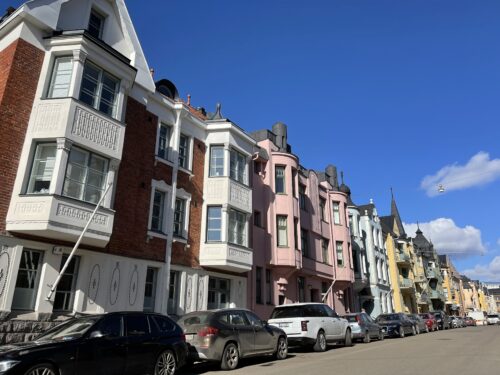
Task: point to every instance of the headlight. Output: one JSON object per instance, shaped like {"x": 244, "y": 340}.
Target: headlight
{"x": 7, "y": 365}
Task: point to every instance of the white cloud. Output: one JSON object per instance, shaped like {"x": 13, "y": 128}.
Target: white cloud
{"x": 448, "y": 238}
{"x": 479, "y": 170}
{"x": 489, "y": 272}
{"x": 498, "y": 242}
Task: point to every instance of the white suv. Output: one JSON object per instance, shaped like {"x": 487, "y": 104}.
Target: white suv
{"x": 313, "y": 324}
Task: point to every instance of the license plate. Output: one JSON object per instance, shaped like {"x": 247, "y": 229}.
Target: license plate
{"x": 190, "y": 337}
{"x": 283, "y": 325}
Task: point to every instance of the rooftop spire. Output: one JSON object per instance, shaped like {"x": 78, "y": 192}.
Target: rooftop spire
{"x": 395, "y": 214}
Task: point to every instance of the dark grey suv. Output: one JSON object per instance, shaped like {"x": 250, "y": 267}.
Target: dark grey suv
{"x": 227, "y": 335}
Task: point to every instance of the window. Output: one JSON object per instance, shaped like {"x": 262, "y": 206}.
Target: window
{"x": 301, "y": 287}
{"x": 295, "y": 236}
{"x": 237, "y": 167}
{"x": 281, "y": 223}
{"x": 304, "y": 242}
{"x": 237, "y": 228}
{"x": 324, "y": 249}
{"x": 27, "y": 280}
{"x": 322, "y": 205}
{"x": 218, "y": 293}
{"x": 164, "y": 324}
{"x": 173, "y": 293}
{"x": 351, "y": 225}
{"x": 96, "y": 24}
{"x": 258, "y": 285}
{"x": 99, "y": 89}
{"x": 137, "y": 325}
{"x": 257, "y": 219}
{"x": 214, "y": 223}
{"x": 269, "y": 288}
{"x": 253, "y": 319}
{"x": 340, "y": 254}
{"x": 336, "y": 212}
{"x": 157, "y": 217}
{"x": 65, "y": 292}
{"x": 238, "y": 318}
{"x": 110, "y": 325}
{"x": 184, "y": 151}
{"x": 216, "y": 161}
{"x": 179, "y": 217}
{"x": 61, "y": 77}
{"x": 164, "y": 141}
{"x": 280, "y": 179}
{"x": 150, "y": 290}
{"x": 302, "y": 197}
{"x": 85, "y": 176}
{"x": 294, "y": 179}
{"x": 42, "y": 168}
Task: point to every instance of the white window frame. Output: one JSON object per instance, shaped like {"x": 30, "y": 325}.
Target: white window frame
{"x": 189, "y": 156}
{"x": 31, "y": 178}
{"x": 208, "y": 221}
{"x": 210, "y": 174}
{"x": 102, "y": 17}
{"x": 36, "y": 280}
{"x": 339, "y": 251}
{"x": 183, "y": 194}
{"x": 54, "y": 75}
{"x": 162, "y": 186}
{"x": 238, "y": 154}
{"x": 168, "y": 148}
{"x": 281, "y": 242}
{"x": 245, "y": 233}
{"x": 336, "y": 213}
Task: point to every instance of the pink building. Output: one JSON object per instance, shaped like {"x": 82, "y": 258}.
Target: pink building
{"x": 301, "y": 241}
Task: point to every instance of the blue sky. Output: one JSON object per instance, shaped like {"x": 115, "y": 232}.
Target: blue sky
{"x": 389, "y": 91}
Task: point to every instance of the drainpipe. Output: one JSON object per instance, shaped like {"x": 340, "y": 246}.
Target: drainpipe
{"x": 170, "y": 217}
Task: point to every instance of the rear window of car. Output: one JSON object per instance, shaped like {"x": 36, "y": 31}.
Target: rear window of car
{"x": 389, "y": 317}
{"x": 164, "y": 324}
{"x": 351, "y": 319}
{"x": 288, "y": 312}
{"x": 193, "y": 319}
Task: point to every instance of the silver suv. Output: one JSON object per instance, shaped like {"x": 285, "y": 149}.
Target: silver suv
{"x": 314, "y": 324}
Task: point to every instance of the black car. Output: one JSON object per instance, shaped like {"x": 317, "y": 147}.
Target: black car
{"x": 396, "y": 325}
{"x": 110, "y": 344}
{"x": 443, "y": 320}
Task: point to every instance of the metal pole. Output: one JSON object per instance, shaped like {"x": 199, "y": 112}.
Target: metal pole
{"x": 328, "y": 291}
{"x": 61, "y": 273}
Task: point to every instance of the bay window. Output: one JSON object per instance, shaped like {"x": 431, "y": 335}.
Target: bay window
{"x": 61, "y": 77}
{"x": 237, "y": 168}
{"x": 85, "y": 176}
{"x": 42, "y": 168}
{"x": 214, "y": 223}
{"x": 237, "y": 228}
{"x": 281, "y": 224}
{"x": 99, "y": 89}
{"x": 216, "y": 161}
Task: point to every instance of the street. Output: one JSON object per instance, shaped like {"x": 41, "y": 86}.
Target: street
{"x": 471, "y": 350}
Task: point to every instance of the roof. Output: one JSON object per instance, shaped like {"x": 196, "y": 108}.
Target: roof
{"x": 386, "y": 222}
{"x": 367, "y": 207}
{"x": 397, "y": 217}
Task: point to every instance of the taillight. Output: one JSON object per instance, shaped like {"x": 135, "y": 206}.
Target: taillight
{"x": 358, "y": 319}
{"x": 303, "y": 325}
{"x": 208, "y": 331}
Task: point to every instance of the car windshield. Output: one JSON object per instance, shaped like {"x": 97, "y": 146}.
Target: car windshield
{"x": 70, "y": 330}
{"x": 388, "y": 317}
{"x": 195, "y": 318}
{"x": 287, "y": 312}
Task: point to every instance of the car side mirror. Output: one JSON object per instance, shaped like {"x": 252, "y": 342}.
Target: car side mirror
{"x": 97, "y": 334}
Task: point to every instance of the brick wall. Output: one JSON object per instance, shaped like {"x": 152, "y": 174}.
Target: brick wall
{"x": 133, "y": 190}
{"x": 181, "y": 254}
{"x": 20, "y": 66}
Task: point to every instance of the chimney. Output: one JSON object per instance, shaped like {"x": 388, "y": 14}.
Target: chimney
{"x": 280, "y": 130}
{"x": 189, "y": 99}
{"x": 331, "y": 172}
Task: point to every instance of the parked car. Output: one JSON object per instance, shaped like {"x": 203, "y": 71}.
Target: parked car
{"x": 443, "y": 320}
{"x": 478, "y": 316}
{"x": 420, "y": 325}
{"x": 430, "y": 321}
{"x": 226, "y": 335}
{"x": 469, "y": 322}
{"x": 396, "y": 325}
{"x": 492, "y": 319}
{"x": 363, "y": 327}
{"x": 114, "y": 343}
{"x": 314, "y": 324}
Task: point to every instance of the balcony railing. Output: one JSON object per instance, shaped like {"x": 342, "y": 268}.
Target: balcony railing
{"x": 402, "y": 257}
{"x": 226, "y": 257}
{"x": 432, "y": 273}
{"x": 405, "y": 283}
{"x": 224, "y": 190}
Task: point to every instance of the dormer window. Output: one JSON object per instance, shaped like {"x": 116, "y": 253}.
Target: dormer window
{"x": 96, "y": 24}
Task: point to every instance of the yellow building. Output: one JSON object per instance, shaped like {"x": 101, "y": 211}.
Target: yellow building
{"x": 401, "y": 259}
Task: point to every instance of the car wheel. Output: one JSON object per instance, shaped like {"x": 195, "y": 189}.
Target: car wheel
{"x": 230, "y": 357}
{"x": 366, "y": 339}
{"x": 380, "y": 336}
{"x": 348, "y": 338}
{"x": 42, "y": 369}
{"x": 282, "y": 348}
{"x": 320, "y": 345}
{"x": 413, "y": 331}
{"x": 166, "y": 364}
{"x": 401, "y": 332}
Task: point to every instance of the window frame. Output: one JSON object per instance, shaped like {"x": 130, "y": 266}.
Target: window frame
{"x": 208, "y": 226}
{"x": 302, "y": 197}
{"x": 281, "y": 178}
{"x": 322, "y": 209}
{"x": 102, "y": 19}
{"x": 244, "y": 235}
{"x": 185, "y": 157}
{"x": 36, "y": 280}
{"x": 239, "y": 157}
{"x": 54, "y": 75}
{"x": 180, "y": 225}
{"x": 340, "y": 251}
{"x": 279, "y": 228}
{"x": 166, "y": 150}
{"x": 74, "y": 280}
{"x": 304, "y": 239}
{"x": 325, "y": 244}
{"x": 336, "y": 213}
{"x": 161, "y": 186}
{"x": 33, "y": 165}
{"x": 151, "y": 306}
{"x": 258, "y": 285}
{"x": 212, "y": 169}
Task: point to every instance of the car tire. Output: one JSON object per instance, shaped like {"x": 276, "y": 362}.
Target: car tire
{"x": 413, "y": 331}
{"x": 381, "y": 336}
{"x": 281, "y": 348}
{"x": 348, "y": 338}
{"x": 401, "y": 332}
{"x": 166, "y": 363}
{"x": 230, "y": 357}
{"x": 320, "y": 344}
{"x": 42, "y": 368}
{"x": 367, "y": 338}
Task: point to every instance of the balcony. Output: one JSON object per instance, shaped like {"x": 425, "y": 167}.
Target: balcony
{"x": 432, "y": 273}
{"x": 423, "y": 298}
{"x": 226, "y": 257}
{"x": 402, "y": 258}
{"x": 71, "y": 119}
{"x": 61, "y": 218}
{"x": 435, "y": 294}
{"x": 405, "y": 283}
{"x": 224, "y": 190}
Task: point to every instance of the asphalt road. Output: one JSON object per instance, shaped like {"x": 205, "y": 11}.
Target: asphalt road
{"x": 467, "y": 351}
